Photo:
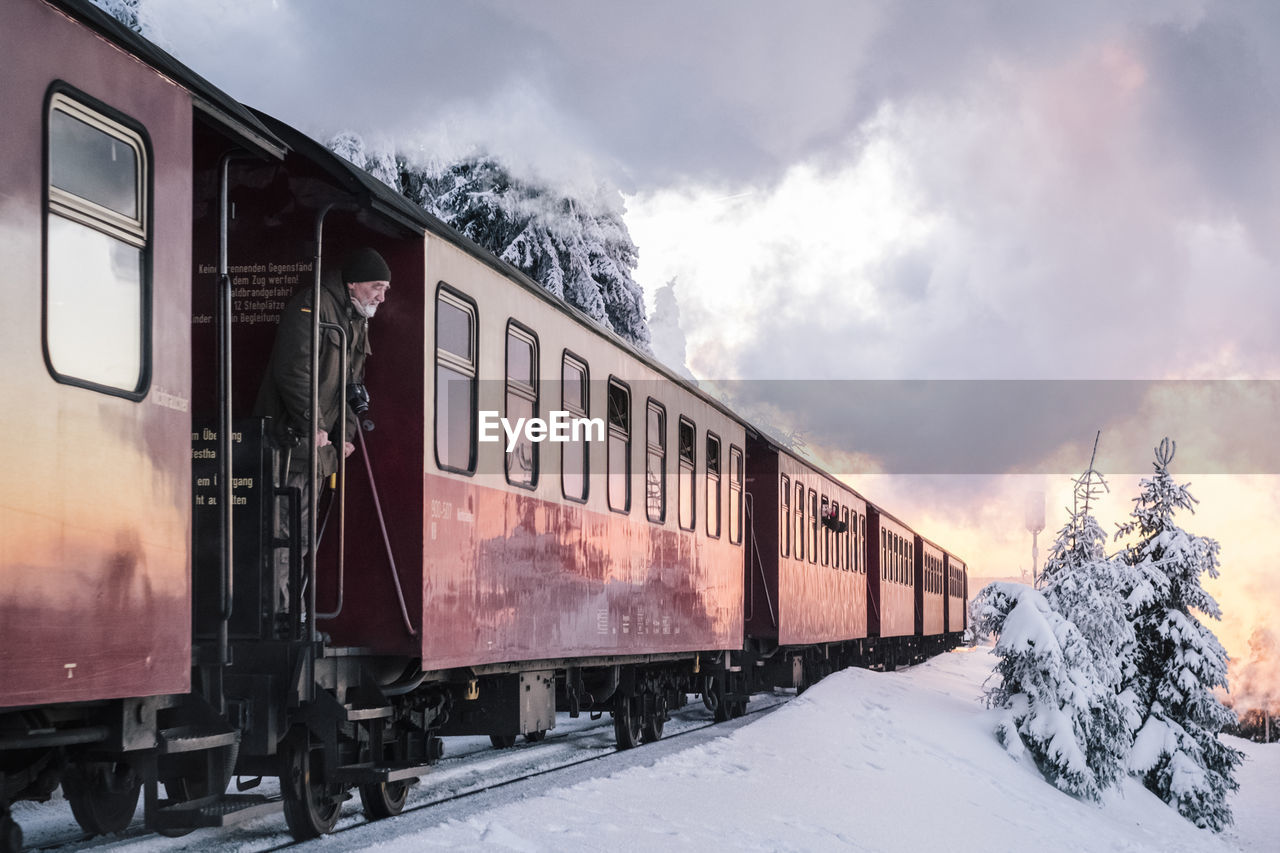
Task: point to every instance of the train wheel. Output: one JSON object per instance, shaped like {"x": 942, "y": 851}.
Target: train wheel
{"x": 502, "y": 741}
{"x": 311, "y": 808}
{"x": 653, "y": 723}
{"x": 627, "y": 720}
{"x": 103, "y": 795}
{"x": 719, "y": 703}
{"x": 534, "y": 737}
{"x": 383, "y": 799}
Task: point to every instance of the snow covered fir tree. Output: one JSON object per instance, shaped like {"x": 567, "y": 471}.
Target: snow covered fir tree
{"x": 577, "y": 248}
{"x": 1178, "y": 661}
{"x": 1107, "y": 669}
{"x": 1061, "y": 650}
{"x": 1085, "y": 586}
{"x": 1047, "y": 685}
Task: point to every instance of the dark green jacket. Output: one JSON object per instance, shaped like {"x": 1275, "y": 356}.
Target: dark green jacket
{"x": 285, "y": 395}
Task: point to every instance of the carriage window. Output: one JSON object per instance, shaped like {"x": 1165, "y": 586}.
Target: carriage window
{"x": 735, "y": 495}
{"x": 619, "y": 446}
{"x": 836, "y": 537}
{"x": 846, "y": 545}
{"x": 455, "y": 382}
{"x": 800, "y": 525}
{"x": 96, "y": 323}
{"x": 784, "y": 517}
{"x": 655, "y": 471}
{"x": 574, "y": 399}
{"x": 522, "y": 402}
{"x": 687, "y": 436}
{"x": 813, "y": 526}
{"x": 826, "y": 532}
{"x": 713, "y": 485}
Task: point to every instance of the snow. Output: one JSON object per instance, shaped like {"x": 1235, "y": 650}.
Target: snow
{"x": 862, "y": 761}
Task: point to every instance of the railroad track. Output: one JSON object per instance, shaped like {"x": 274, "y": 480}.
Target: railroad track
{"x": 474, "y": 770}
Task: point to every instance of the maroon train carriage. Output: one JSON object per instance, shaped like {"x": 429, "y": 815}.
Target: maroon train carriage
{"x": 475, "y": 588}
{"x": 929, "y": 571}
{"x": 95, "y": 566}
{"x": 956, "y": 613}
{"x": 890, "y": 587}
{"x": 806, "y": 568}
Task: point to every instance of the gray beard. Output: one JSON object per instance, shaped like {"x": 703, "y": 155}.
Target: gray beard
{"x": 363, "y": 310}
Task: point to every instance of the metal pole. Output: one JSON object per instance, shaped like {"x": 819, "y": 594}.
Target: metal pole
{"x": 313, "y": 452}
{"x": 226, "y": 481}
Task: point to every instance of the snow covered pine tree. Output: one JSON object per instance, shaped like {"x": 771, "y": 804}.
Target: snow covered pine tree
{"x": 1178, "y": 660}
{"x": 578, "y": 249}
{"x": 1086, "y": 587}
{"x": 1048, "y": 686}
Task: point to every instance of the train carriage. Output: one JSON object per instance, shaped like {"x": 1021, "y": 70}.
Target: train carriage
{"x": 806, "y": 567}
{"x": 805, "y": 572}
{"x": 95, "y": 561}
{"x": 466, "y": 582}
{"x": 890, "y": 585}
{"x": 929, "y": 579}
{"x": 956, "y": 613}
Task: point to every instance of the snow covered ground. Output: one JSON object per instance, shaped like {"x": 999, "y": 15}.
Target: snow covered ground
{"x": 900, "y": 761}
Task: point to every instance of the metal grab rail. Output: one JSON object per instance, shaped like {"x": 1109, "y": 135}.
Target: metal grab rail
{"x": 342, "y": 476}
{"x": 313, "y": 452}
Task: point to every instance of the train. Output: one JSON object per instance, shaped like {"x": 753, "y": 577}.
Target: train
{"x": 153, "y": 229}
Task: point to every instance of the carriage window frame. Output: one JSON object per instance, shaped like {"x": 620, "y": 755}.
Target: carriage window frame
{"x": 813, "y": 526}
{"x": 784, "y": 512}
{"x": 713, "y": 484}
{"x": 686, "y": 471}
{"x": 801, "y": 522}
{"x": 567, "y": 359}
{"x": 529, "y": 392}
{"x": 618, "y": 426}
{"x": 826, "y": 532}
{"x": 846, "y": 542}
{"x": 136, "y": 231}
{"x": 836, "y": 536}
{"x": 469, "y": 367}
{"x": 884, "y": 554}
{"x": 655, "y": 449}
{"x": 736, "y": 487}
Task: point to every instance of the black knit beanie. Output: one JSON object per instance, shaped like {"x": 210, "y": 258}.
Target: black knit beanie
{"x": 364, "y": 265}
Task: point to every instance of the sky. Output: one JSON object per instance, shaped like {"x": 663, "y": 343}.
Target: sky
{"x": 856, "y": 192}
